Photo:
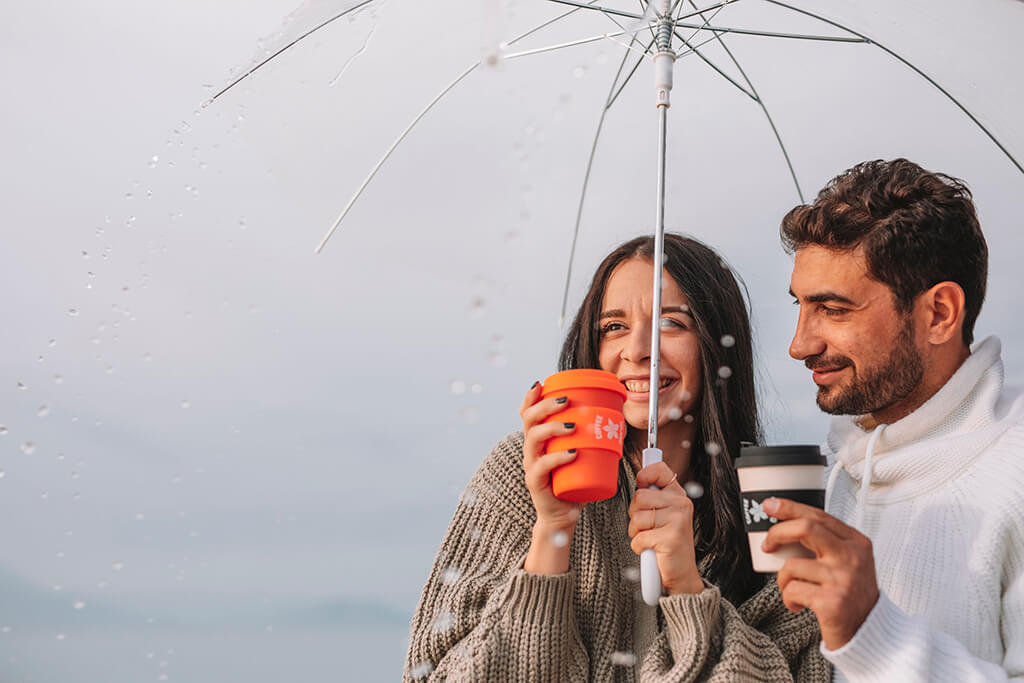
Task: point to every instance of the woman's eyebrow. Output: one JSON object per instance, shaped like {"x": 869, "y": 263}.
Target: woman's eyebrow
{"x": 619, "y": 313}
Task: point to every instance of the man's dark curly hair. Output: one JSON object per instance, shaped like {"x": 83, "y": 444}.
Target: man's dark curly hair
{"x": 917, "y": 229}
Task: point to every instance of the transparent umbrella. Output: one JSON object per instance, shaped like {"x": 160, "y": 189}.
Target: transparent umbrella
{"x": 772, "y": 94}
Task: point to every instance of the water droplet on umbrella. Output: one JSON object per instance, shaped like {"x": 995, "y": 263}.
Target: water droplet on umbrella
{"x": 712, "y": 448}
{"x": 579, "y": 72}
{"x": 43, "y": 411}
{"x": 688, "y": 419}
{"x": 450, "y": 575}
{"x": 475, "y": 535}
{"x": 74, "y": 475}
{"x": 470, "y": 415}
{"x": 128, "y": 195}
{"x": 728, "y": 341}
{"x": 693, "y": 489}
{"x": 52, "y": 343}
{"x": 186, "y": 404}
{"x": 421, "y": 670}
{"x": 476, "y": 388}
{"x": 117, "y": 566}
{"x": 22, "y": 386}
{"x": 44, "y": 495}
{"x": 41, "y": 359}
{"x": 3, "y": 430}
{"x": 725, "y": 372}
{"x": 60, "y": 636}
{"x": 559, "y": 539}
{"x": 85, "y": 254}
{"x": 623, "y": 658}
{"x": 72, "y": 312}
{"x": 442, "y": 622}
{"x": 139, "y": 516}
{"x": 28, "y": 448}
{"x": 458, "y": 386}
{"x": 153, "y": 162}
{"x": 58, "y": 379}
{"x": 674, "y": 413}
{"x": 631, "y": 574}
{"x": 468, "y": 498}
{"x": 478, "y": 305}
{"x": 687, "y": 395}
{"x": 686, "y": 443}
{"x": 2, "y": 474}
{"x": 78, "y": 604}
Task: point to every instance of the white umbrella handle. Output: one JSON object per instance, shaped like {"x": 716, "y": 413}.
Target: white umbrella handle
{"x": 650, "y": 578}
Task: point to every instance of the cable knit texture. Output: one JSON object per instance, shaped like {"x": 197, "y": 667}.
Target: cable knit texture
{"x": 482, "y": 618}
{"x": 945, "y": 513}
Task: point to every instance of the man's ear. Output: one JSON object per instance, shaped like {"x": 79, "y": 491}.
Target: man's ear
{"x": 943, "y": 309}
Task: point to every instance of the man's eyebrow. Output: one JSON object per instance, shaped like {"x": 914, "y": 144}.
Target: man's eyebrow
{"x": 823, "y": 297}
{"x": 619, "y": 313}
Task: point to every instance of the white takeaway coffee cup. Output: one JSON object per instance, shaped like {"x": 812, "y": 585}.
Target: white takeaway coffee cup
{"x": 793, "y": 472}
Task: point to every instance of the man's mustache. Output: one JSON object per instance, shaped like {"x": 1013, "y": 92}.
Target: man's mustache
{"x": 820, "y": 362}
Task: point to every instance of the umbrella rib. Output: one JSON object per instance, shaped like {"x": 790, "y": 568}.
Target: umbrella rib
{"x": 263, "y": 63}
{"x": 412, "y": 125}
{"x": 599, "y": 8}
{"x": 715, "y": 67}
{"x": 636, "y": 66}
{"x": 767, "y": 114}
{"x": 916, "y": 70}
{"x": 773, "y": 34}
{"x": 586, "y": 175}
{"x": 572, "y": 43}
{"x": 387, "y": 154}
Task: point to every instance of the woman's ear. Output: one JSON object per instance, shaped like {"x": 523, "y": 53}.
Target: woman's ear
{"x": 943, "y": 307}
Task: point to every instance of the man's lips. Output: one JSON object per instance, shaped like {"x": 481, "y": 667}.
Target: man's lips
{"x": 826, "y": 375}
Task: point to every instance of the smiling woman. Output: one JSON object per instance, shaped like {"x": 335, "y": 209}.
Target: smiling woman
{"x": 530, "y": 587}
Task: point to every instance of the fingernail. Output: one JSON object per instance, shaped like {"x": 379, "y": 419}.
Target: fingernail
{"x": 534, "y": 385}
{"x": 770, "y": 505}
{"x": 569, "y": 425}
{"x": 561, "y": 399}
{"x": 572, "y": 450}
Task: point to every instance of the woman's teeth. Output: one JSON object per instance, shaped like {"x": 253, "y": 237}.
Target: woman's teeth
{"x": 642, "y": 387}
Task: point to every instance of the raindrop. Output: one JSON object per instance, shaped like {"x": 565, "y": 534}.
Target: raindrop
{"x": 623, "y": 658}
{"x": 631, "y": 574}
{"x": 85, "y": 254}
{"x": 450, "y": 575}
{"x": 186, "y": 404}
{"x": 2, "y": 474}
{"x": 241, "y": 224}
{"x": 475, "y": 535}
{"x": 6, "y": 629}
{"x": 139, "y": 516}
{"x": 52, "y": 343}
{"x": 128, "y": 195}
{"x": 478, "y": 305}
{"x": 3, "y": 430}
{"x": 687, "y": 395}
{"x": 728, "y": 341}
{"x": 41, "y": 359}
{"x": 44, "y": 495}
{"x": 579, "y": 72}
{"x": 22, "y": 386}
{"x": 43, "y": 411}
{"x": 147, "y": 357}
{"x": 476, "y": 388}
{"x": 421, "y": 670}
{"x": 442, "y": 622}
{"x": 28, "y": 448}
{"x": 72, "y": 312}
{"x": 58, "y": 379}
{"x": 470, "y": 415}
{"x": 725, "y": 372}
{"x": 468, "y": 498}
{"x": 60, "y": 636}
{"x": 458, "y": 386}
{"x": 674, "y": 413}
{"x": 117, "y": 566}
{"x": 559, "y": 539}
{"x": 686, "y": 443}
{"x": 78, "y": 604}
{"x": 712, "y": 448}
{"x": 688, "y": 419}
{"x": 693, "y": 489}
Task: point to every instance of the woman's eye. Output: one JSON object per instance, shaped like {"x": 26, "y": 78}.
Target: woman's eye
{"x": 671, "y": 323}
{"x": 611, "y": 327}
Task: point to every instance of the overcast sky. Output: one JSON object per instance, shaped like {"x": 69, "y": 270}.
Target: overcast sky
{"x": 195, "y": 404}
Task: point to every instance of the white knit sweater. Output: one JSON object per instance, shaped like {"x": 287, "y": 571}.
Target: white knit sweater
{"x": 945, "y": 513}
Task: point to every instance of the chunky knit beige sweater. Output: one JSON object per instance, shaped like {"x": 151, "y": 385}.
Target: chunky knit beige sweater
{"x": 482, "y": 618}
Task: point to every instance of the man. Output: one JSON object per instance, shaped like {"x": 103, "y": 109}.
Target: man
{"x": 919, "y": 567}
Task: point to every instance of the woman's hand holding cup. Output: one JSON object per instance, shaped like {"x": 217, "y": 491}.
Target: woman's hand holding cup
{"x": 556, "y": 518}
{"x": 662, "y": 519}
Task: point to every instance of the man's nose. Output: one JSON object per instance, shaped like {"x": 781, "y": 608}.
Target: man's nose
{"x": 806, "y": 340}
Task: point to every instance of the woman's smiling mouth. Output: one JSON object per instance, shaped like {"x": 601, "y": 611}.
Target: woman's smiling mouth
{"x": 643, "y": 386}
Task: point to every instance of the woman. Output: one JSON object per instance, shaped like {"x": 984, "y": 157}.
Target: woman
{"x": 530, "y": 587}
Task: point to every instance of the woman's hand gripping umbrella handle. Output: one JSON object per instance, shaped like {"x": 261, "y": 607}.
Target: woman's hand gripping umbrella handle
{"x": 650, "y": 578}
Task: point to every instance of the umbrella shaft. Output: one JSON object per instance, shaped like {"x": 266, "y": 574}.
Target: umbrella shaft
{"x": 659, "y": 258}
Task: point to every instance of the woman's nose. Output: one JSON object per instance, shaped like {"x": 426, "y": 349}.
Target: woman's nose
{"x": 637, "y": 346}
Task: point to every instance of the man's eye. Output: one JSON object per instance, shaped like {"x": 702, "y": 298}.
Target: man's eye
{"x": 828, "y": 310}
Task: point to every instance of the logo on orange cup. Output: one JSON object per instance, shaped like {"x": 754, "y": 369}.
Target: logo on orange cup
{"x": 609, "y": 430}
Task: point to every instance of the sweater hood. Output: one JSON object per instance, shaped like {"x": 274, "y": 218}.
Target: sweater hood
{"x": 967, "y": 413}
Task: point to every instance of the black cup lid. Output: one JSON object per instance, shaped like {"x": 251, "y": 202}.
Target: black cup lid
{"x": 773, "y": 456}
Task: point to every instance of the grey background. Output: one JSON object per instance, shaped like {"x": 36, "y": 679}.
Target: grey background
{"x": 225, "y": 456}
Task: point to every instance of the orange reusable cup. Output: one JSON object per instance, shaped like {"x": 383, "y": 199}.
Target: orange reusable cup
{"x": 595, "y": 405}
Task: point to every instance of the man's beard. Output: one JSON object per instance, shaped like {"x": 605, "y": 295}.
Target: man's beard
{"x": 873, "y": 389}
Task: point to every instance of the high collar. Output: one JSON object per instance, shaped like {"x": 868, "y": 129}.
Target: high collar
{"x": 964, "y": 414}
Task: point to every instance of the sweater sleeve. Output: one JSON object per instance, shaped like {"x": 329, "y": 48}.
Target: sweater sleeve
{"x": 891, "y": 645}
{"x": 705, "y": 638}
{"x": 480, "y": 616}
